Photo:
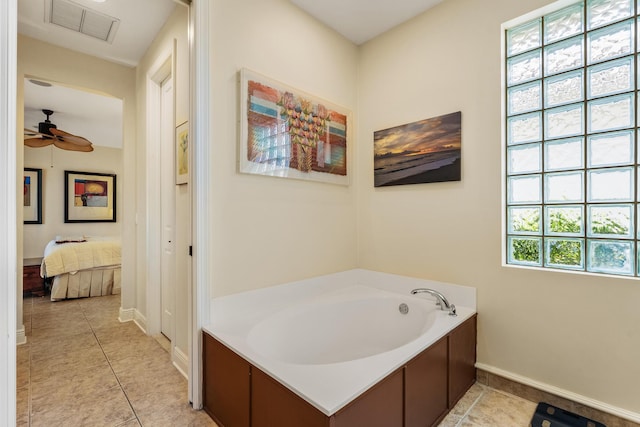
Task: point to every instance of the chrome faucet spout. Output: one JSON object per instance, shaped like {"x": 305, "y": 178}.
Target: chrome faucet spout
{"x": 441, "y": 300}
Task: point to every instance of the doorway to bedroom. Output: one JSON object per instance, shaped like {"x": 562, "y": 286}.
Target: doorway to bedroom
{"x": 43, "y": 60}
{"x": 73, "y": 158}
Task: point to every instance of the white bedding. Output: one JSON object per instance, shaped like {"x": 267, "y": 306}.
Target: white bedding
{"x": 82, "y": 269}
{"x": 60, "y": 258}
{"x": 86, "y": 283}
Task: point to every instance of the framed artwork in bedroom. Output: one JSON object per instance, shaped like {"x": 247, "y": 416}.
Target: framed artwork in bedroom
{"x": 32, "y": 192}
{"x": 89, "y": 197}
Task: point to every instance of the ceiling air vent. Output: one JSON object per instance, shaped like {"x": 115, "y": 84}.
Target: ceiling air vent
{"x": 78, "y": 18}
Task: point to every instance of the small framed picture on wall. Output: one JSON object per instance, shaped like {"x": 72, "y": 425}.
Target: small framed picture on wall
{"x": 182, "y": 153}
{"x": 32, "y": 192}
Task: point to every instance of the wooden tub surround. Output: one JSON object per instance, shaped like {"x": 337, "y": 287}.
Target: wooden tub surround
{"x": 419, "y": 393}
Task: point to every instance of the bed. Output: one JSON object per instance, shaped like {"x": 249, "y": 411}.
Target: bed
{"x": 79, "y": 267}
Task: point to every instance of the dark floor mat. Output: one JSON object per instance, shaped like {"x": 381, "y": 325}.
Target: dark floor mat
{"x": 550, "y": 416}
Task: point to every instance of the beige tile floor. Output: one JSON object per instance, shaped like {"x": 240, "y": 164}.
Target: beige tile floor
{"x": 483, "y": 406}
{"x": 82, "y": 367}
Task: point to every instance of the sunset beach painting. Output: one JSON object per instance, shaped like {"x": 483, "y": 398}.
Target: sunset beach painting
{"x": 420, "y": 152}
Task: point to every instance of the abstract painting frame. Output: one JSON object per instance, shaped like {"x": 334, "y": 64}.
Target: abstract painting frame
{"x": 287, "y": 133}
{"x": 89, "y": 197}
{"x": 421, "y": 152}
{"x": 182, "y": 153}
{"x": 32, "y": 196}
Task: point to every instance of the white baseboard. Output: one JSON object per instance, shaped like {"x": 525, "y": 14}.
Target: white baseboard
{"x": 126, "y": 314}
{"x": 181, "y": 361}
{"x": 21, "y": 337}
{"x": 575, "y": 397}
{"x": 132, "y": 314}
{"x": 141, "y": 321}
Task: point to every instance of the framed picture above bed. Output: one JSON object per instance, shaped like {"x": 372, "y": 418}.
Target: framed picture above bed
{"x": 89, "y": 197}
{"x": 32, "y": 192}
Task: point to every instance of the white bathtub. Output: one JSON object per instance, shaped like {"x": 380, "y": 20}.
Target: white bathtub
{"x": 330, "y": 338}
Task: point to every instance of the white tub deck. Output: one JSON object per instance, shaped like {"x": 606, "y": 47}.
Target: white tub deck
{"x": 330, "y": 386}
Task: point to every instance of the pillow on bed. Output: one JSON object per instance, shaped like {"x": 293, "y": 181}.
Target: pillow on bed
{"x": 70, "y": 239}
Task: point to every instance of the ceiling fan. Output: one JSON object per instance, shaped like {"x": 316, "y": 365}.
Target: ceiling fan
{"x": 48, "y": 134}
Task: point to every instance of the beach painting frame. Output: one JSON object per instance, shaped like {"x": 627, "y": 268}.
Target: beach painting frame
{"x": 421, "y": 152}
{"x": 287, "y": 133}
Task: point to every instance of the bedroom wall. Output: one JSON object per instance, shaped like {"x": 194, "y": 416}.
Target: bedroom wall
{"x": 175, "y": 29}
{"x": 578, "y": 333}
{"x": 271, "y": 230}
{"x": 48, "y": 62}
{"x": 53, "y": 163}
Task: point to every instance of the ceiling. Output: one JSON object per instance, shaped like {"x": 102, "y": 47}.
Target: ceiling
{"x": 362, "y": 20}
{"x": 139, "y": 22}
{"x": 93, "y": 116}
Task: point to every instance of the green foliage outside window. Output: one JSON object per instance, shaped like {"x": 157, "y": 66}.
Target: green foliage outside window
{"x": 526, "y": 250}
{"x": 565, "y": 252}
{"x": 606, "y": 225}
{"x": 564, "y": 222}
{"x": 527, "y": 221}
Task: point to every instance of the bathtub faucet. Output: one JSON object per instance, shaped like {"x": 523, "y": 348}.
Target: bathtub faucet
{"x": 440, "y": 300}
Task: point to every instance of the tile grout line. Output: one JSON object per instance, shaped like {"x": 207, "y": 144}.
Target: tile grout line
{"x": 126, "y": 396}
{"x": 468, "y": 411}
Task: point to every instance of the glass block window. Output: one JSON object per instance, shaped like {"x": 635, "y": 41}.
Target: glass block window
{"x": 572, "y": 196}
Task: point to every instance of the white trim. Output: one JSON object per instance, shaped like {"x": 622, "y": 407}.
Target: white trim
{"x": 160, "y": 71}
{"x": 21, "y": 336}
{"x": 202, "y": 232}
{"x": 575, "y": 397}
{"x": 8, "y": 216}
{"x": 141, "y": 321}
{"x": 126, "y": 314}
{"x": 181, "y": 362}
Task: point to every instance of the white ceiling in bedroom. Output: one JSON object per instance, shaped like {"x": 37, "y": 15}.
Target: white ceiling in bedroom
{"x": 95, "y": 117}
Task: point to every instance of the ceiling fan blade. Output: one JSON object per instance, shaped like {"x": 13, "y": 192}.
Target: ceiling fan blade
{"x": 30, "y": 131}
{"x": 73, "y": 139}
{"x": 38, "y": 142}
{"x": 71, "y": 146}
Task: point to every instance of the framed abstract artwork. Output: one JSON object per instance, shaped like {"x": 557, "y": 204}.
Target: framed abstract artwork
{"x": 89, "y": 197}
{"x": 32, "y": 191}
{"x": 420, "y": 152}
{"x": 287, "y": 133}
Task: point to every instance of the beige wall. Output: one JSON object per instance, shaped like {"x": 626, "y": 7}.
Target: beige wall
{"x": 271, "y": 230}
{"x": 575, "y": 332}
{"x": 175, "y": 29}
{"x": 53, "y": 164}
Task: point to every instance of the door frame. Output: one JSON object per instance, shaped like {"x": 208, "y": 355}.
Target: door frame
{"x": 8, "y": 216}
{"x": 161, "y": 70}
{"x": 200, "y": 13}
